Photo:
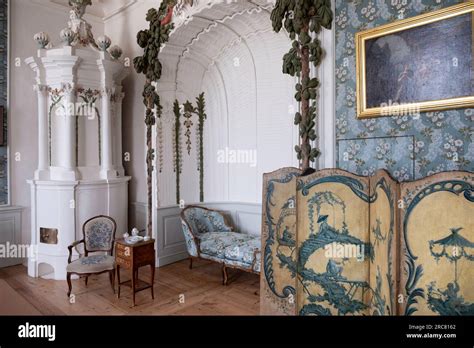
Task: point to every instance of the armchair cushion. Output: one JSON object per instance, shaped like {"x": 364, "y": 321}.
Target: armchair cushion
{"x": 92, "y": 264}
{"x": 216, "y": 243}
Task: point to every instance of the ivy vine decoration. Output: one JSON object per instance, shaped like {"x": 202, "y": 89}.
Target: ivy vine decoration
{"x": 178, "y": 164}
{"x": 188, "y": 123}
{"x": 303, "y": 20}
{"x": 159, "y": 129}
{"x": 200, "y": 111}
{"x": 152, "y": 40}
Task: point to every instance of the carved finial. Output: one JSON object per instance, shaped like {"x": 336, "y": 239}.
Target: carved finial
{"x": 103, "y": 42}
{"x": 115, "y": 52}
{"x": 42, "y": 39}
{"x": 67, "y": 36}
{"x": 79, "y": 7}
{"x": 79, "y": 26}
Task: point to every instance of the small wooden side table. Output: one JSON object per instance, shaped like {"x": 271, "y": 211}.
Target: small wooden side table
{"x": 132, "y": 257}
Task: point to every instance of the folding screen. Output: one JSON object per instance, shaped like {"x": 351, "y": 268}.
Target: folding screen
{"x": 367, "y": 246}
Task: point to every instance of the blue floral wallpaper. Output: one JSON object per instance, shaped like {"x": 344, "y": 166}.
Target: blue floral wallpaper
{"x": 3, "y": 98}
{"x": 408, "y": 148}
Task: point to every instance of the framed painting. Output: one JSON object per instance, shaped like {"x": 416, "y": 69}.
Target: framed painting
{"x": 419, "y": 64}
{"x": 2, "y": 127}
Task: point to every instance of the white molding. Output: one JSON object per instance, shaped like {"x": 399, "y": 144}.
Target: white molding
{"x": 169, "y": 259}
{"x": 11, "y": 208}
{"x": 12, "y": 217}
{"x": 172, "y": 206}
{"x": 327, "y": 101}
{"x": 89, "y": 16}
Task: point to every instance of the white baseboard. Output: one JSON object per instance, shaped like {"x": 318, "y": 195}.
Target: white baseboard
{"x": 169, "y": 259}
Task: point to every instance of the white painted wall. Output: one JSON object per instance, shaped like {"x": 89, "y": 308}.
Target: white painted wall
{"x": 123, "y": 29}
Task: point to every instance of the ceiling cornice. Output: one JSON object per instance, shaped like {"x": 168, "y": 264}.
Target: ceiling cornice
{"x": 63, "y": 7}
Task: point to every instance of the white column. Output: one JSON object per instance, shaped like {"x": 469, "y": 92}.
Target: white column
{"x": 66, "y": 169}
{"x": 68, "y": 155}
{"x": 42, "y": 173}
{"x": 107, "y": 167}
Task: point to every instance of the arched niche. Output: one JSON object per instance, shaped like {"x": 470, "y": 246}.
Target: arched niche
{"x": 228, "y": 50}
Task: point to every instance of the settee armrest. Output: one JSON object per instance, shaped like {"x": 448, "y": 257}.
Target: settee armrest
{"x": 192, "y": 242}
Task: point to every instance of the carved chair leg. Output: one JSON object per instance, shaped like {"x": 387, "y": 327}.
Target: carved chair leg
{"x": 152, "y": 281}
{"x": 224, "y": 275}
{"x": 190, "y": 263}
{"x": 69, "y": 284}
{"x": 112, "y": 280}
{"x": 118, "y": 281}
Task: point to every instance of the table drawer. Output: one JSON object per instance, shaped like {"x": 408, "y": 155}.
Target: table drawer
{"x": 123, "y": 262}
{"x": 124, "y": 253}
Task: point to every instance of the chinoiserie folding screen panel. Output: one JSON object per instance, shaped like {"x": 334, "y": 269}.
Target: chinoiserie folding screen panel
{"x": 437, "y": 251}
{"x": 278, "y": 283}
{"x": 339, "y": 244}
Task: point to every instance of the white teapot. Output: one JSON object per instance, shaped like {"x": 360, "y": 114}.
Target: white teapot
{"x": 135, "y": 232}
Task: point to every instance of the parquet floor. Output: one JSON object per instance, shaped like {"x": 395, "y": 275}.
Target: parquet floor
{"x": 178, "y": 291}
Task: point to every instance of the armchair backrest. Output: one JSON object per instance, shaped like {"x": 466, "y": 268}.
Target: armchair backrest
{"x": 202, "y": 220}
{"x": 99, "y": 234}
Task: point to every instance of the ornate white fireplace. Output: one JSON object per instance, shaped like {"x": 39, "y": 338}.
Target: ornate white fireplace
{"x": 80, "y": 172}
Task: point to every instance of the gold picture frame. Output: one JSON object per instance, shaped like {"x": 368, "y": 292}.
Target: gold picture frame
{"x": 412, "y": 107}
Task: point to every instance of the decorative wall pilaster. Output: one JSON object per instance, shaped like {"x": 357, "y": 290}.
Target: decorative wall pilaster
{"x": 107, "y": 167}
{"x": 118, "y": 154}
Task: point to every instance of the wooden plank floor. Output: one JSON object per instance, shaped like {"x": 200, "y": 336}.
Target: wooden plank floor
{"x": 201, "y": 288}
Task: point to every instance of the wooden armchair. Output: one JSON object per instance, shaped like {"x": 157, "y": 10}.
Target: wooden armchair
{"x": 99, "y": 236}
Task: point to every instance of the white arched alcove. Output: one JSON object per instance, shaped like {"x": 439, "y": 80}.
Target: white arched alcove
{"x": 229, "y": 51}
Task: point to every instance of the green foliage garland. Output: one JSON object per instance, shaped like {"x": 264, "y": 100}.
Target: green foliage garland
{"x": 177, "y": 148}
{"x": 151, "y": 40}
{"x": 303, "y": 20}
{"x": 200, "y": 111}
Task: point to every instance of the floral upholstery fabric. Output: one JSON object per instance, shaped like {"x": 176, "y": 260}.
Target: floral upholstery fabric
{"x": 92, "y": 264}
{"x": 216, "y": 243}
{"x": 99, "y": 234}
{"x": 188, "y": 237}
{"x": 198, "y": 221}
{"x": 244, "y": 252}
{"x": 203, "y": 221}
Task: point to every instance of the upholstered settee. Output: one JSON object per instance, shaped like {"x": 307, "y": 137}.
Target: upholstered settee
{"x": 209, "y": 236}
